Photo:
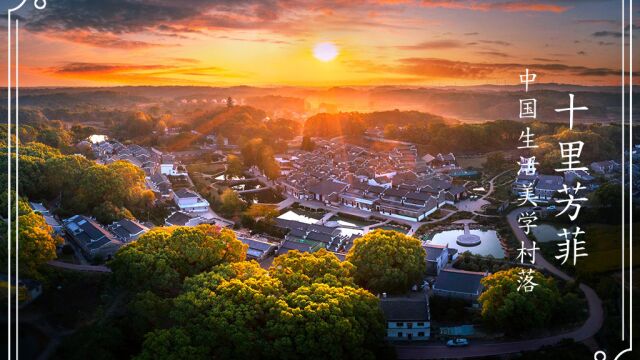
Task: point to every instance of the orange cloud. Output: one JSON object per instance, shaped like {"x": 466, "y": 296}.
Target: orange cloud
{"x": 511, "y": 6}
{"x": 154, "y": 74}
{"x": 101, "y": 39}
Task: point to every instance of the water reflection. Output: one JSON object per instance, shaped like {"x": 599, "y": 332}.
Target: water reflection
{"x": 489, "y": 244}
{"x": 96, "y": 139}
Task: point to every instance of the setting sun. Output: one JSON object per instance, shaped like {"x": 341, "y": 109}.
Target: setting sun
{"x": 325, "y": 51}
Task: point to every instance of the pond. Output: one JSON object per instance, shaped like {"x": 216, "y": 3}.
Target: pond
{"x": 303, "y": 216}
{"x": 249, "y": 185}
{"x": 489, "y": 242}
{"x": 233, "y": 178}
{"x": 351, "y": 221}
{"x": 266, "y": 196}
{"x": 348, "y": 231}
{"x": 546, "y": 232}
{"x": 96, "y": 139}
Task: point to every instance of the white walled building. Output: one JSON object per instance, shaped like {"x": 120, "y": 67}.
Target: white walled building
{"x": 407, "y": 316}
{"x": 190, "y": 201}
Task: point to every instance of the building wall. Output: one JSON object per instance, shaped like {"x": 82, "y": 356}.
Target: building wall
{"x": 405, "y": 331}
{"x": 457, "y": 295}
{"x": 166, "y": 169}
{"x": 192, "y": 203}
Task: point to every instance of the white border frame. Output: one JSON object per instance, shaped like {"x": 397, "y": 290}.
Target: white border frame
{"x": 12, "y": 309}
{"x": 627, "y": 258}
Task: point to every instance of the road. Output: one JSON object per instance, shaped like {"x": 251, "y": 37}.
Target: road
{"x": 584, "y": 332}
{"x": 79, "y": 267}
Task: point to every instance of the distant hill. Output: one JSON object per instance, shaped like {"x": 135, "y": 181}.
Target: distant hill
{"x": 466, "y": 103}
{"x": 243, "y": 121}
{"x": 355, "y": 123}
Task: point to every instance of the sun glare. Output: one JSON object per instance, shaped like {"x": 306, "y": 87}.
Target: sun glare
{"x": 325, "y": 51}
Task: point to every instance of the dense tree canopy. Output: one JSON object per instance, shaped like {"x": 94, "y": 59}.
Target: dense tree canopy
{"x": 160, "y": 259}
{"x": 108, "y": 192}
{"x": 230, "y": 203}
{"x": 235, "y": 167}
{"x": 257, "y": 152}
{"x": 502, "y": 302}
{"x": 387, "y": 261}
{"x": 295, "y": 269}
{"x": 239, "y": 311}
{"x": 36, "y": 242}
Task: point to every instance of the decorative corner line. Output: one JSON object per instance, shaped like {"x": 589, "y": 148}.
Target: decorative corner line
{"x": 38, "y": 4}
{"x": 42, "y": 2}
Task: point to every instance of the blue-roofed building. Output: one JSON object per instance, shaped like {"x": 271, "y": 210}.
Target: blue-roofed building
{"x": 459, "y": 284}
{"x": 257, "y": 250}
{"x": 437, "y": 258}
{"x": 127, "y": 230}
{"x": 547, "y": 186}
{"x": 93, "y": 239}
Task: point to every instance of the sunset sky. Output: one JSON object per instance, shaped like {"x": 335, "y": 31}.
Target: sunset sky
{"x": 378, "y": 42}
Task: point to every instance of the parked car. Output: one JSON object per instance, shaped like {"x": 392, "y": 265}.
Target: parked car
{"x": 457, "y": 342}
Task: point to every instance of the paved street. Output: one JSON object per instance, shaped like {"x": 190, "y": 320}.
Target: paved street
{"x": 78, "y": 267}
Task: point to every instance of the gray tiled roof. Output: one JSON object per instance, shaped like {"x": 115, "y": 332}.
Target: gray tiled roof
{"x": 410, "y": 307}
{"x": 459, "y": 281}
{"x": 433, "y": 251}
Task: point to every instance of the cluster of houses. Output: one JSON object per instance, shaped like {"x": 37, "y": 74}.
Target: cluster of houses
{"x": 311, "y": 237}
{"x": 395, "y": 183}
{"x": 160, "y": 170}
{"x": 543, "y": 188}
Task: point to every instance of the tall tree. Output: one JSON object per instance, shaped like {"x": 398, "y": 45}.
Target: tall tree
{"x": 502, "y": 301}
{"x": 295, "y": 269}
{"x": 160, "y": 259}
{"x": 238, "y": 311}
{"x": 387, "y": 261}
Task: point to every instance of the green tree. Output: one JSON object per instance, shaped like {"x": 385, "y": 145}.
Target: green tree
{"x": 160, "y": 259}
{"x": 495, "y": 162}
{"x": 230, "y": 203}
{"x": 387, "y": 261}
{"x": 63, "y": 173}
{"x": 234, "y": 166}
{"x": 36, "y": 243}
{"x": 265, "y": 211}
{"x": 502, "y": 302}
{"x": 295, "y": 269}
{"x": 239, "y": 311}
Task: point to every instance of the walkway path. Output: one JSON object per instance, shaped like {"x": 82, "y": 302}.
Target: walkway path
{"x": 249, "y": 191}
{"x": 584, "y": 332}
{"x": 326, "y": 217}
{"x": 79, "y": 267}
{"x": 286, "y": 203}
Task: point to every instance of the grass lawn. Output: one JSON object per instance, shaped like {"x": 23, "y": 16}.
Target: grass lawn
{"x": 206, "y": 168}
{"x": 474, "y": 162}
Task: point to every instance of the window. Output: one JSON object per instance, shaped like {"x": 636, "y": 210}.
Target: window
{"x": 421, "y": 333}
{"x": 399, "y": 334}
{"x": 420, "y": 324}
{"x": 399, "y": 324}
